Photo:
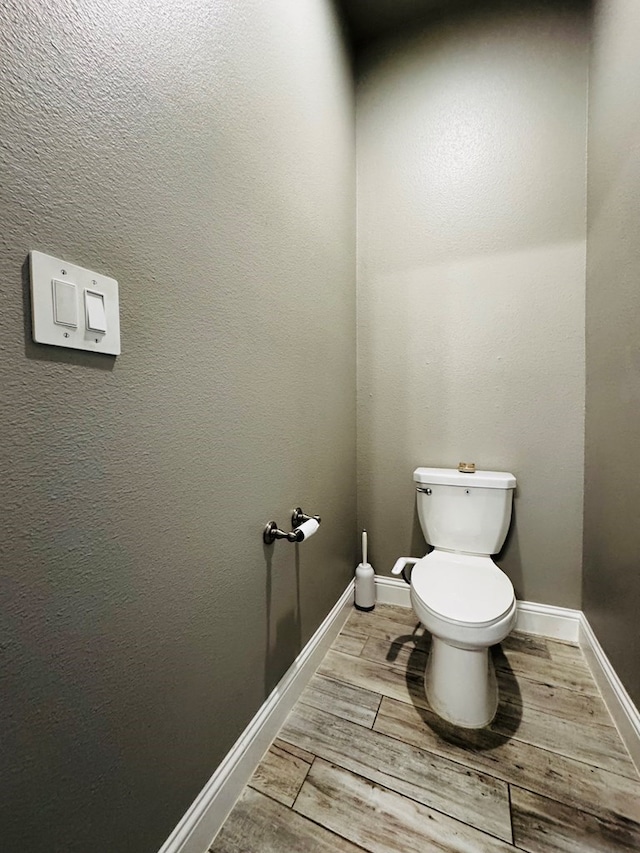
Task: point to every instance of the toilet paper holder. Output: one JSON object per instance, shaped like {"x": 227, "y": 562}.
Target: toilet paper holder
{"x": 301, "y": 528}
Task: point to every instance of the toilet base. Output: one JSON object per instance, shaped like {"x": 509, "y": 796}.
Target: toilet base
{"x": 460, "y": 684}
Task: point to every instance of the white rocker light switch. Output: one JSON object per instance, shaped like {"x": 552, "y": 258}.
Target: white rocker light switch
{"x": 65, "y": 303}
{"x": 96, "y": 317}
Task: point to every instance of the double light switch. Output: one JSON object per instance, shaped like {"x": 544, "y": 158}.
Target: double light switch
{"x": 73, "y": 307}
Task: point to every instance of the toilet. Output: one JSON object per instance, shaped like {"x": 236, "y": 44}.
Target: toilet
{"x": 459, "y": 594}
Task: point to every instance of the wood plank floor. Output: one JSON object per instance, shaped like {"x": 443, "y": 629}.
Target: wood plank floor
{"x": 363, "y": 764}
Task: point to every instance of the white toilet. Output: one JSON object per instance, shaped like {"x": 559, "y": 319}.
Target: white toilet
{"x": 459, "y": 594}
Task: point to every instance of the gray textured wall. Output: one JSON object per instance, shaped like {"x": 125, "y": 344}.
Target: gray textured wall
{"x": 202, "y": 154}
{"x": 612, "y": 486}
{"x": 470, "y": 143}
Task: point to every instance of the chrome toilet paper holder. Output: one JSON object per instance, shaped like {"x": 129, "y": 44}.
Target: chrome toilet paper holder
{"x": 272, "y": 532}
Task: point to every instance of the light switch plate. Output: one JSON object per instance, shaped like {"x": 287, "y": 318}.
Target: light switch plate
{"x": 46, "y": 269}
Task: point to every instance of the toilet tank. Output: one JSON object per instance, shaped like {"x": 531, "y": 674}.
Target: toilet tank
{"x": 464, "y": 512}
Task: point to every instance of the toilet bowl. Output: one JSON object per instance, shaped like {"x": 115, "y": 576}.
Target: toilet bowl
{"x": 467, "y": 604}
{"x": 459, "y": 594}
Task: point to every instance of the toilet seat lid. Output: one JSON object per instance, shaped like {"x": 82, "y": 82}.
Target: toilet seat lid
{"x": 462, "y": 588}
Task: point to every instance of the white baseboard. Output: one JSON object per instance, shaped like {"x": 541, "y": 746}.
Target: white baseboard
{"x": 392, "y": 591}
{"x": 624, "y": 712}
{"x": 209, "y": 810}
{"x": 557, "y": 623}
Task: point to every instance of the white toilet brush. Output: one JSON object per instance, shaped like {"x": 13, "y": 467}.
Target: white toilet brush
{"x": 365, "y": 598}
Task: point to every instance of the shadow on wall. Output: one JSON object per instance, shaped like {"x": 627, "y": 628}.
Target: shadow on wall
{"x": 511, "y": 552}
{"x": 284, "y": 629}
{"x": 419, "y": 548}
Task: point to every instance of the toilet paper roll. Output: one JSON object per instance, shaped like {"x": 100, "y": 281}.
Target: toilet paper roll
{"x": 306, "y": 529}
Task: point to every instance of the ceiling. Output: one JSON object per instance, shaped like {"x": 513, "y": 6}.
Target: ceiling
{"x": 369, "y": 19}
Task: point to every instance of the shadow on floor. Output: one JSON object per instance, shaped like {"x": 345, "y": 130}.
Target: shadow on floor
{"x": 508, "y": 716}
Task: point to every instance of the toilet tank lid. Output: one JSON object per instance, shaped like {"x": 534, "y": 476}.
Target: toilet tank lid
{"x": 453, "y": 477}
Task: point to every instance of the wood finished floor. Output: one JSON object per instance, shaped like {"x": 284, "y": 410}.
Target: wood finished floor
{"x": 362, "y": 763}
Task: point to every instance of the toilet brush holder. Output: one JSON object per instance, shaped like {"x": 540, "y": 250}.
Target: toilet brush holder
{"x": 365, "y": 595}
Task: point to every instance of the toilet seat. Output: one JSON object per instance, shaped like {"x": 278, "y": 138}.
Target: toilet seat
{"x": 462, "y": 589}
